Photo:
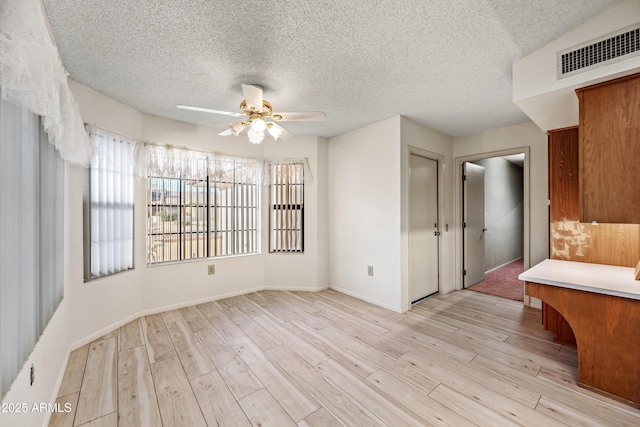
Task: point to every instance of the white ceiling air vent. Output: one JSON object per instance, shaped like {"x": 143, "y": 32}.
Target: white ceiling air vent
{"x": 618, "y": 46}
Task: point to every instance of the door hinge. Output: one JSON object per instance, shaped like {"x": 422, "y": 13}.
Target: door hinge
{"x": 464, "y": 177}
{"x": 464, "y": 225}
{"x": 464, "y": 272}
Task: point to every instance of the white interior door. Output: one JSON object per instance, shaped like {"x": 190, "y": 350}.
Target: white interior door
{"x": 474, "y": 261}
{"x": 423, "y": 227}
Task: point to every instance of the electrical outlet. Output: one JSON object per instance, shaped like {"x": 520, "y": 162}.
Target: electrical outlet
{"x": 32, "y": 375}
{"x": 370, "y": 270}
{"x": 211, "y": 269}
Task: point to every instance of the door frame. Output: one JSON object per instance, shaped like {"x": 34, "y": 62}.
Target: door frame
{"x": 441, "y": 176}
{"x": 458, "y": 214}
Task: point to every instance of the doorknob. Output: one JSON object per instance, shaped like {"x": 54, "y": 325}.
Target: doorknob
{"x": 436, "y": 233}
{"x": 484, "y": 229}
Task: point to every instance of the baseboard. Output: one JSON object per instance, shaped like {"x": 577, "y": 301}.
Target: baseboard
{"x": 502, "y": 265}
{"x": 296, "y": 288}
{"x": 366, "y": 299}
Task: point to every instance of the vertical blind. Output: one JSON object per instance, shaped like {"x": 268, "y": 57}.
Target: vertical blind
{"x": 109, "y": 217}
{"x": 31, "y": 236}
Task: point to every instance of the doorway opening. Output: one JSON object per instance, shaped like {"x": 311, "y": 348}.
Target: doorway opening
{"x": 494, "y": 223}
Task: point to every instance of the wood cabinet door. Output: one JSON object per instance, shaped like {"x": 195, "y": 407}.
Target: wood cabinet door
{"x": 610, "y": 151}
{"x": 564, "y": 193}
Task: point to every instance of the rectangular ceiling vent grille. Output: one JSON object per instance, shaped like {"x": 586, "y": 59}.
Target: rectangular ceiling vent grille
{"x": 611, "y": 48}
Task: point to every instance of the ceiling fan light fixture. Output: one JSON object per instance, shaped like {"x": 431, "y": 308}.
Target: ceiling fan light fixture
{"x": 258, "y": 125}
{"x": 255, "y": 137}
{"x": 258, "y": 118}
{"x": 236, "y": 128}
{"x": 275, "y": 131}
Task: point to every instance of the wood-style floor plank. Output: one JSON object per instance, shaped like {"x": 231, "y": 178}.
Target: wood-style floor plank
{"x": 416, "y": 400}
{"x": 196, "y": 320}
{"x": 240, "y": 379}
{"x": 192, "y": 354}
{"x": 325, "y": 359}
{"x": 320, "y": 418}
{"x": 156, "y": 338}
{"x": 130, "y": 335}
{"x": 385, "y": 409}
{"x": 177, "y": 403}
{"x": 339, "y": 403}
{"x": 99, "y": 391}
{"x": 264, "y": 411}
{"x": 74, "y": 372}
{"x": 220, "y": 322}
{"x": 64, "y": 417}
{"x": 109, "y": 420}
{"x": 137, "y": 402}
{"x": 218, "y": 405}
{"x": 469, "y": 408}
{"x": 292, "y": 397}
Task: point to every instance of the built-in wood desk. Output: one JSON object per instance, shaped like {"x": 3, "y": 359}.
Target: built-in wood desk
{"x": 602, "y": 305}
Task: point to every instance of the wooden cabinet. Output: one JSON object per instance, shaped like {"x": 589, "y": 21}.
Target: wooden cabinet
{"x": 564, "y": 195}
{"x": 609, "y": 122}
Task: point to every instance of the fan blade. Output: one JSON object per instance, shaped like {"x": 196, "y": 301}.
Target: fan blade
{"x": 286, "y": 134}
{"x": 227, "y": 132}
{"x": 301, "y": 116}
{"x": 208, "y": 110}
{"x": 253, "y": 96}
{"x": 280, "y": 132}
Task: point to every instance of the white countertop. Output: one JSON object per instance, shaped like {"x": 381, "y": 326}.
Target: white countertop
{"x": 598, "y": 278}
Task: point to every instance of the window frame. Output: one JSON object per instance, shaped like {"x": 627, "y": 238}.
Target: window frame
{"x": 89, "y": 202}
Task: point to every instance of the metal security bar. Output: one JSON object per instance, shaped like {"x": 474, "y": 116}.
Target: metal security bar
{"x": 287, "y": 208}
{"x": 212, "y": 216}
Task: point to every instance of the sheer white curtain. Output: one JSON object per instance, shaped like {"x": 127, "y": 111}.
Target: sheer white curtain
{"x": 31, "y": 236}
{"x": 31, "y": 72}
{"x": 112, "y": 195}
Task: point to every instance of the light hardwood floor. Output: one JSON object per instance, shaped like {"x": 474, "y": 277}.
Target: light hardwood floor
{"x": 276, "y": 358}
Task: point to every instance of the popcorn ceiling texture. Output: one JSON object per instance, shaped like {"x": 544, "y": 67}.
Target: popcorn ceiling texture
{"x": 445, "y": 64}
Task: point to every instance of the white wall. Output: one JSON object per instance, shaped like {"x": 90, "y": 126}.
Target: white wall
{"x": 524, "y": 135}
{"x": 368, "y": 209}
{"x": 310, "y": 270}
{"x": 551, "y": 102}
{"x": 91, "y": 309}
{"x": 364, "y": 213}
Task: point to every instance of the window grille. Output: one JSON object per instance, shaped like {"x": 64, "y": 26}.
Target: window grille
{"x": 287, "y": 208}
{"x": 212, "y": 215}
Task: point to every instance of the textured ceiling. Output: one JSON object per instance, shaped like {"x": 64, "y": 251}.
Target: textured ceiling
{"x": 445, "y": 64}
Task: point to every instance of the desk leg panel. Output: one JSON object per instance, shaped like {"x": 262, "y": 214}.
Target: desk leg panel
{"x": 607, "y": 330}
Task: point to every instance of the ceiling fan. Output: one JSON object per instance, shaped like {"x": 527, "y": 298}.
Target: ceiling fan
{"x": 258, "y": 116}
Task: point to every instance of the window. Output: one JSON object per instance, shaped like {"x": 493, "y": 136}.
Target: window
{"x": 32, "y": 243}
{"x": 287, "y": 208}
{"x": 203, "y": 208}
{"x": 108, "y": 207}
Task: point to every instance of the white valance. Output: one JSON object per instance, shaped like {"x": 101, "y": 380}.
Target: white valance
{"x": 268, "y": 170}
{"x": 169, "y": 161}
{"x": 32, "y": 74}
